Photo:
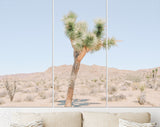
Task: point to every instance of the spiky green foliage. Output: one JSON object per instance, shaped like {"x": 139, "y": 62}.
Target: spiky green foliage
{"x": 111, "y": 42}
{"x": 81, "y": 37}
{"x": 90, "y": 40}
{"x": 80, "y": 33}
{"x": 81, "y": 27}
{"x": 69, "y": 21}
{"x": 70, "y": 15}
{"x": 99, "y": 45}
{"x": 70, "y": 28}
{"x": 99, "y": 28}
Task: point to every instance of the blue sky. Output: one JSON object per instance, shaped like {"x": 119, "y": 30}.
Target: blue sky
{"x": 137, "y": 23}
{"x": 25, "y": 36}
{"x": 26, "y": 33}
{"x": 87, "y": 10}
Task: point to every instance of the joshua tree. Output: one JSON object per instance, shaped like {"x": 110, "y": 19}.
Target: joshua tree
{"x": 83, "y": 41}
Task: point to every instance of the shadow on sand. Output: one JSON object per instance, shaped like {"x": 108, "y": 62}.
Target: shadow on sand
{"x": 78, "y": 103}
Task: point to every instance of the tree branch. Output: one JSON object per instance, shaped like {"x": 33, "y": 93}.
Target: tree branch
{"x": 82, "y": 54}
{"x": 72, "y": 43}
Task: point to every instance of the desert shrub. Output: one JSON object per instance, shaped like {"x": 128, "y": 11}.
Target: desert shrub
{"x": 2, "y": 101}
{"x": 42, "y": 95}
{"x": 135, "y": 86}
{"x": 142, "y": 97}
{"x": 36, "y": 89}
{"x": 43, "y": 81}
{"x": 28, "y": 85}
{"x": 94, "y": 80}
{"x": 102, "y": 80}
{"x": 19, "y": 99}
{"x": 51, "y": 85}
{"x": 29, "y": 98}
{"x": 11, "y": 89}
{"x": 133, "y": 78}
{"x": 123, "y": 87}
{"x": 142, "y": 87}
{"x": 112, "y": 89}
{"x": 56, "y": 87}
{"x": 103, "y": 98}
{"x": 26, "y": 91}
{"x": 117, "y": 97}
{"x": 3, "y": 93}
{"x": 128, "y": 83}
{"x": 82, "y": 82}
{"x": 50, "y": 93}
{"x": 100, "y": 84}
{"x": 55, "y": 78}
{"x": 37, "y": 83}
{"x": 48, "y": 86}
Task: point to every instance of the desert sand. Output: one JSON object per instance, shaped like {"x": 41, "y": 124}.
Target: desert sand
{"x": 90, "y": 88}
{"x": 32, "y": 90}
{"x": 126, "y": 87}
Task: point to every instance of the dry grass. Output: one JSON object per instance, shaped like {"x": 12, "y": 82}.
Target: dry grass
{"x": 137, "y": 86}
{"x": 112, "y": 89}
{"x": 3, "y": 93}
{"x": 29, "y": 98}
{"x": 2, "y": 101}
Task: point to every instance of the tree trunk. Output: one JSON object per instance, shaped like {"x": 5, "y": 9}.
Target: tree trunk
{"x": 75, "y": 69}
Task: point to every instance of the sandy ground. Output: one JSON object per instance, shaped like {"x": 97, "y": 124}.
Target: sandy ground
{"x": 124, "y": 88}
{"x": 90, "y": 88}
{"x": 32, "y": 90}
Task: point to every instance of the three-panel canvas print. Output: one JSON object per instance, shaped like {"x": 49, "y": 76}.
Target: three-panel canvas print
{"x": 80, "y": 54}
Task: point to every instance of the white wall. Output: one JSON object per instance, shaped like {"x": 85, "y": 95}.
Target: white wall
{"x": 5, "y": 113}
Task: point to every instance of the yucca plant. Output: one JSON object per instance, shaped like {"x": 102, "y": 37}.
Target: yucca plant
{"x": 83, "y": 41}
{"x": 142, "y": 97}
